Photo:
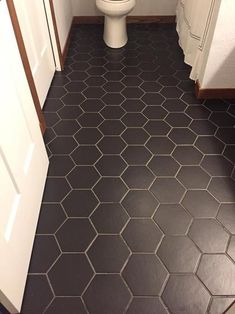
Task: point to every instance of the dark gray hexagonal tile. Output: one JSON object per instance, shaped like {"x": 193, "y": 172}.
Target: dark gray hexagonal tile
{"x": 163, "y": 166}
{"x": 187, "y": 155}
{"x": 107, "y": 293}
{"x": 209, "y": 145}
{"x": 110, "y": 190}
{"x": 60, "y": 166}
{"x": 172, "y": 219}
{"x": 140, "y": 203}
{"x": 209, "y": 236}
{"x": 88, "y": 136}
{"x": 62, "y": 145}
{"x": 113, "y": 66}
{"x": 149, "y": 76}
{"x": 138, "y": 274}
{"x": 94, "y": 92}
{"x": 80, "y": 203}
{"x": 186, "y": 294}
{"x": 217, "y": 272}
{"x": 220, "y": 304}
{"x": 157, "y": 127}
{"x": 171, "y": 92}
{"x": 113, "y": 99}
{"x": 37, "y": 294}
{"x": 222, "y": 119}
{"x": 148, "y": 305}
{"x": 77, "y": 76}
{"x": 55, "y": 190}
{"x": 197, "y": 112}
{"x": 66, "y": 127}
{"x": 69, "y": 305}
{"x": 135, "y": 136}
{"x": 45, "y": 252}
{"x": 112, "y": 127}
{"x": 231, "y": 248}
{"x": 203, "y": 127}
{"x": 112, "y": 112}
{"x": 83, "y": 177}
{"x": 216, "y": 104}
{"x": 138, "y": 177}
{"x": 160, "y": 145}
{"x": 151, "y": 87}
{"x": 51, "y": 118}
{"x": 49, "y": 135}
{"x": 168, "y": 190}
{"x": 223, "y": 189}
{"x": 56, "y": 92}
{"x": 80, "y": 66}
{"x": 200, "y": 204}
{"x": 179, "y": 254}
{"x": 111, "y": 165}
{"x": 136, "y": 155}
{"x": 92, "y": 105}
{"x": 131, "y": 81}
{"x": 153, "y": 99}
{"x": 50, "y": 219}
{"x": 182, "y": 136}
{"x": 73, "y": 99}
{"x": 109, "y": 218}
{"x": 76, "y": 86}
{"x": 134, "y": 119}
{"x": 155, "y": 112}
{"x": 193, "y": 177}
{"x": 108, "y": 253}
{"x": 113, "y": 87}
{"x": 226, "y": 216}
{"x": 70, "y": 274}
{"x": 229, "y": 152}
{"x": 217, "y": 166}
{"x": 90, "y": 119}
{"x": 142, "y": 235}
{"x": 52, "y": 105}
{"x": 133, "y": 105}
{"x": 95, "y": 81}
{"x": 96, "y": 70}
{"x": 70, "y": 112}
{"x": 168, "y": 80}
{"x": 97, "y": 61}
{"x": 111, "y": 145}
{"x": 113, "y": 76}
{"x": 174, "y": 105}
{"x": 178, "y": 119}
{"x": 85, "y": 155}
{"x": 191, "y": 99}
{"x": 75, "y": 235}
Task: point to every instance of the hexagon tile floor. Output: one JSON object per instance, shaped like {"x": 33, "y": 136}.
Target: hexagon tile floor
{"x": 138, "y": 214}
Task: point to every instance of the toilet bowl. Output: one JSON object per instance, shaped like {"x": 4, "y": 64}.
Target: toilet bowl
{"x": 115, "y": 12}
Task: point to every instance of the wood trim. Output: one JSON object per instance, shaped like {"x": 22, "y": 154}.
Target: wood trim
{"x": 66, "y": 46}
{"x": 26, "y": 65}
{"x": 56, "y": 33}
{"x": 130, "y": 19}
{"x": 213, "y": 93}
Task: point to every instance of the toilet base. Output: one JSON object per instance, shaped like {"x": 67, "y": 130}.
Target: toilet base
{"x": 115, "y": 33}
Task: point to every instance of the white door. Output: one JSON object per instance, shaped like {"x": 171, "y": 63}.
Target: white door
{"x": 23, "y": 168}
{"x": 33, "y": 23}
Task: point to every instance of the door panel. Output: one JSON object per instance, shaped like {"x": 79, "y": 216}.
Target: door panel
{"x": 23, "y": 168}
{"x": 35, "y": 32}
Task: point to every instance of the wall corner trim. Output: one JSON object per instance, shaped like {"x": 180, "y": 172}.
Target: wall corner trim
{"x": 214, "y": 93}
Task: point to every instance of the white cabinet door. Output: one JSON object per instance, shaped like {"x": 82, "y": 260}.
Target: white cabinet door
{"x": 23, "y": 168}
{"x": 33, "y": 23}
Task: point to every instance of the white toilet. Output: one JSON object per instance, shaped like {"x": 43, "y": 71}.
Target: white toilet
{"x": 115, "y": 11}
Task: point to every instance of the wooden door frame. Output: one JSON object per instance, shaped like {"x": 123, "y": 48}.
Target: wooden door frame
{"x": 26, "y": 64}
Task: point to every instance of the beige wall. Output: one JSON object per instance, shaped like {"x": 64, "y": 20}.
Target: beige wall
{"x": 143, "y": 7}
{"x": 64, "y": 17}
{"x": 218, "y": 69}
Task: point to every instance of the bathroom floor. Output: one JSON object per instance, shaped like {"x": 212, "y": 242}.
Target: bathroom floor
{"x": 138, "y": 214}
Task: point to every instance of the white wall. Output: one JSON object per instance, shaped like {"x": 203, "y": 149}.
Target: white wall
{"x": 143, "y": 7}
{"x": 219, "y": 65}
{"x": 64, "y": 17}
